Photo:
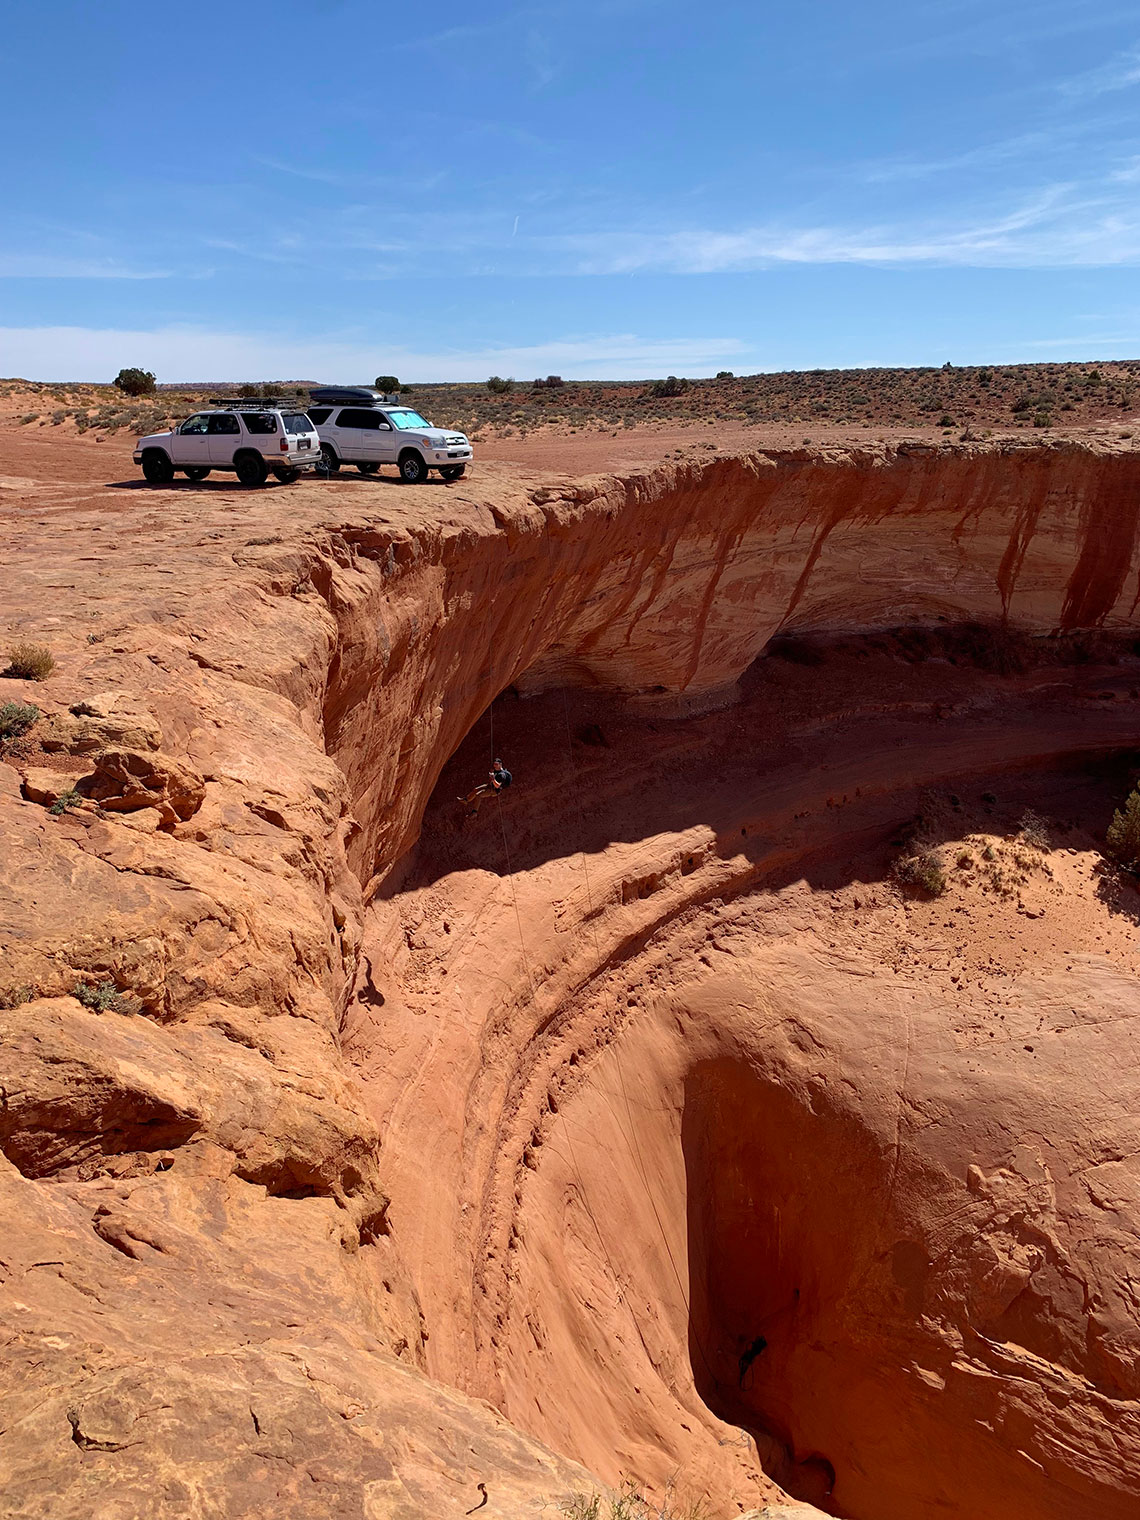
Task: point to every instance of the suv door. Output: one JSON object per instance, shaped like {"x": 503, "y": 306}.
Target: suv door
{"x": 225, "y": 436}
{"x": 190, "y": 445}
{"x": 374, "y": 428}
{"x": 347, "y": 437}
{"x": 387, "y": 440}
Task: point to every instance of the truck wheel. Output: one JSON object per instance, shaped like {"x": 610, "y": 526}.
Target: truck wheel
{"x": 197, "y": 472}
{"x": 286, "y": 475}
{"x": 368, "y": 468}
{"x": 413, "y": 470}
{"x": 328, "y": 454}
{"x": 251, "y": 469}
{"x": 157, "y": 468}
{"x": 452, "y": 471}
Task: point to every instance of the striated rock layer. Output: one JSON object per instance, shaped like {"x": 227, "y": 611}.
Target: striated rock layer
{"x": 606, "y": 1108}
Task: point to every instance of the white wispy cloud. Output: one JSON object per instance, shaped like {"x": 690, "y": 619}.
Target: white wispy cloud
{"x": 84, "y": 353}
{"x": 1119, "y": 73}
{"x": 46, "y": 266}
{"x": 1062, "y": 225}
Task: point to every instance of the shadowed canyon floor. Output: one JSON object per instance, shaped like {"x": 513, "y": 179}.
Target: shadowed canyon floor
{"x": 643, "y": 1124}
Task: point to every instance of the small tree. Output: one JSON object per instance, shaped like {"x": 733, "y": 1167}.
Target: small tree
{"x": 724, "y": 374}
{"x": 386, "y": 383}
{"x": 498, "y": 386}
{"x": 135, "y": 382}
{"x": 1123, "y": 837}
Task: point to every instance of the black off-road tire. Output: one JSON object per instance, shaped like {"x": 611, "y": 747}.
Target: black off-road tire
{"x": 368, "y": 467}
{"x": 286, "y": 474}
{"x": 156, "y": 467}
{"x": 413, "y": 470}
{"x": 251, "y": 469}
{"x": 197, "y": 471}
{"x": 328, "y": 454}
{"x": 452, "y": 471}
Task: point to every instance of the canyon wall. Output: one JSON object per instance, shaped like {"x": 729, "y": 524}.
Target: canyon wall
{"x": 231, "y": 1199}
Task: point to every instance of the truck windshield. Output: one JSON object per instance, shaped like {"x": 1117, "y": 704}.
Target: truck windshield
{"x": 404, "y": 420}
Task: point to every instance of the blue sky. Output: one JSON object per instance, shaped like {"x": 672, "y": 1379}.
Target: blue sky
{"x": 334, "y": 189}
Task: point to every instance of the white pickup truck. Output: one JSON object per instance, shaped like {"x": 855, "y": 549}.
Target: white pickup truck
{"x": 359, "y": 426}
{"x": 253, "y": 438}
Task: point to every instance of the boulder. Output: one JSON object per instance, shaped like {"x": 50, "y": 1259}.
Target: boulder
{"x": 112, "y": 718}
{"x": 127, "y": 780}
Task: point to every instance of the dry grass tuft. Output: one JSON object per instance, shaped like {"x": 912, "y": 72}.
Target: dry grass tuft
{"x": 29, "y": 662}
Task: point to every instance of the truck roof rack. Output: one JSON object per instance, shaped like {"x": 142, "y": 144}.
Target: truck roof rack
{"x": 362, "y": 395}
{"x": 257, "y": 403}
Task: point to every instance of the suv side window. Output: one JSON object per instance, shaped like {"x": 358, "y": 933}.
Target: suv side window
{"x": 319, "y": 414}
{"x": 370, "y": 421}
{"x": 224, "y": 422}
{"x": 198, "y": 424}
{"x": 351, "y": 417}
{"x": 260, "y": 422}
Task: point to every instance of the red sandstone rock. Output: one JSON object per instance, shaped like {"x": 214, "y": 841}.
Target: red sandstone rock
{"x": 616, "y": 1090}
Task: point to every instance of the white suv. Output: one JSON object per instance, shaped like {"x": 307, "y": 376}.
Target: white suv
{"x": 359, "y": 426}
{"x": 254, "y": 438}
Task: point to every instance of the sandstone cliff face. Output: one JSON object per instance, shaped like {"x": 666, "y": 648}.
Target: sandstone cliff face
{"x": 210, "y": 1199}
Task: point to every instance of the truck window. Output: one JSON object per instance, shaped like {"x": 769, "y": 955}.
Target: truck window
{"x": 297, "y": 422}
{"x": 319, "y": 414}
{"x": 198, "y": 424}
{"x": 224, "y": 422}
{"x": 260, "y": 422}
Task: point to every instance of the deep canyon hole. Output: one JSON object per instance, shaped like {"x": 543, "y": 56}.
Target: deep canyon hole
{"x": 785, "y": 1202}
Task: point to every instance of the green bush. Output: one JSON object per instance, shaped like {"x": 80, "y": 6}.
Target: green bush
{"x": 135, "y": 382}
{"x": 923, "y": 873}
{"x": 498, "y": 386}
{"x": 1123, "y": 837}
{"x": 16, "y": 718}
{"x": 29, "y": 662}
{"x": 66, "y": 800}
{"x": 104, "y": 997}
{"x": 668, "y": 387}
{"x": 387, "y": 383}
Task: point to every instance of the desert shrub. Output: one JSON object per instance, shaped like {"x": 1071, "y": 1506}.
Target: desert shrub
{"x": 498, "y": 386}
{"x": 923, "y": 873}
{"x": 964, "y": 861}
{"x": 670, "y": 386}
{"x": 104, "y": 997}
{"x": 65, "y": 801}
{"x": 247, "y": 391}
{"x": 386, "y": 383}
{"x": 1042, "y": 420}
{"x": 29, "y": 662}
{"x": 724, "y": 374}
{"x": 1123, "y": 836}
{"x": 15, "y": 997}
{"x": 946, "y": 420}
{"x": 16, "y": 718}
{"x": 629, "y": 1503}
{"x": 1034, "y": 830}
{"x": 135, "y": 382}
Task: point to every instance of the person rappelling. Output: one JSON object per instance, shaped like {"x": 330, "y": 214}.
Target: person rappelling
{"x": 498, "y": 779}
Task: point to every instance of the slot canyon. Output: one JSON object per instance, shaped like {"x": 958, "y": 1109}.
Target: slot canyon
{"x": 646, "y": 1122}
